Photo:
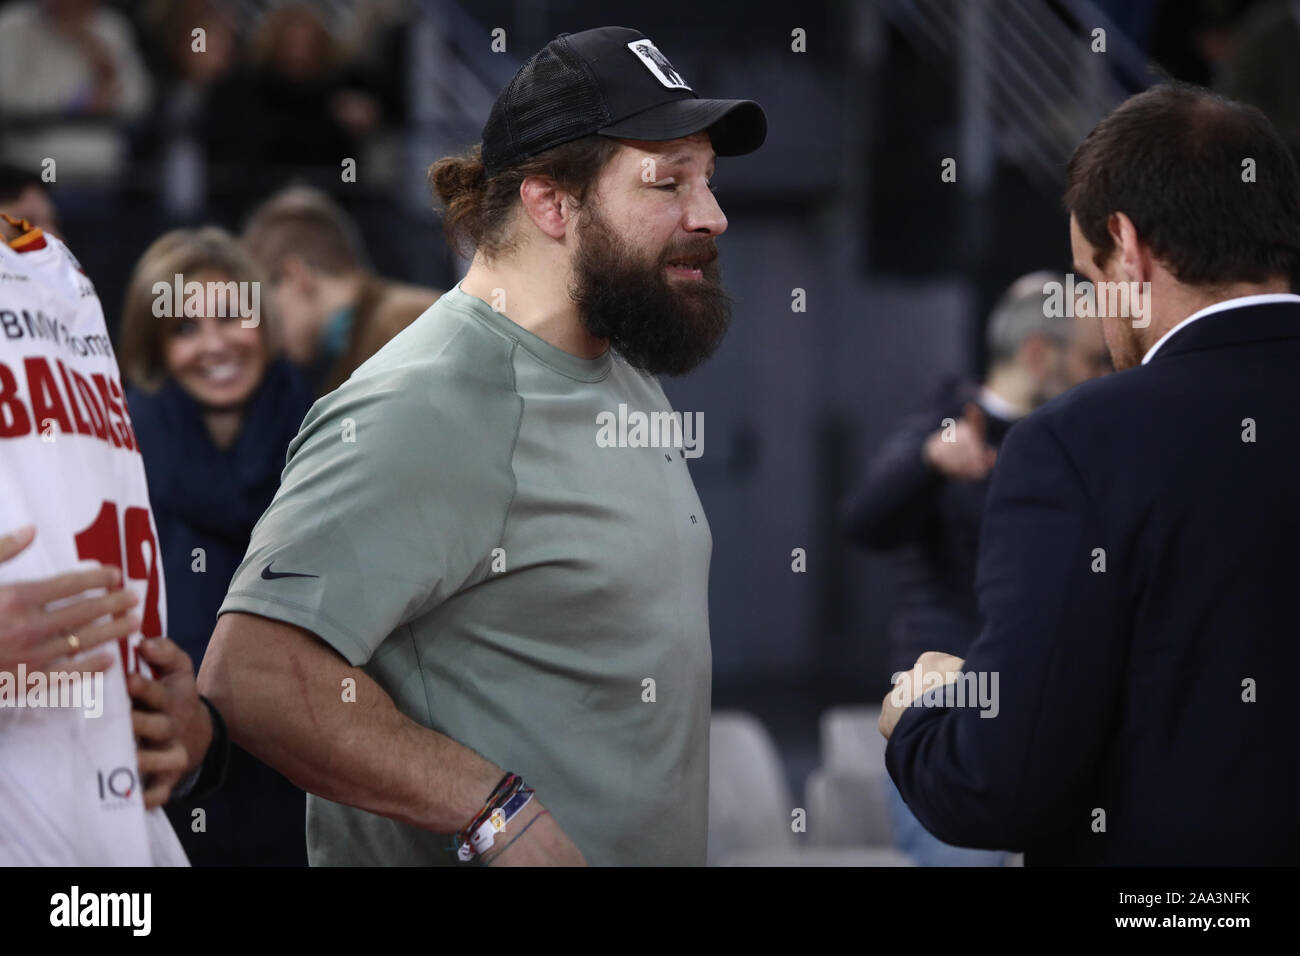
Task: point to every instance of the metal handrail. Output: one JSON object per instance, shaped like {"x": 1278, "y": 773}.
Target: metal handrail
{"x": 1033, "y": 83}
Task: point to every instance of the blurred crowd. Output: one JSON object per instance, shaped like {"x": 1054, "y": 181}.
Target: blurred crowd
{"x": 145, "y": 116}
{"x": 200, "y": 104}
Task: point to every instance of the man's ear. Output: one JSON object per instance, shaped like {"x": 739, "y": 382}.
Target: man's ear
{"x": 1134, "y": 254}
{"x": 545, "y": 204}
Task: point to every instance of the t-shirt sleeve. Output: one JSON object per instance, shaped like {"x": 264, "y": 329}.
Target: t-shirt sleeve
{"x": 393, "y": 497}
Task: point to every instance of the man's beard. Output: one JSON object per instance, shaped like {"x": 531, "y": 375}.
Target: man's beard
{"x": 659, "y": 325}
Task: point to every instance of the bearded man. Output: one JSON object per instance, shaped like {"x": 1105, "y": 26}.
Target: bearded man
{"x": 467, "y": 628}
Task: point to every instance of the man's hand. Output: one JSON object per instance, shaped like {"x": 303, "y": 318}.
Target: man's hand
{"x": 40, "y": 638}
{"x": 545, "y": 844}
{"x": 911, "y": 685}
{"x": 967, "y": 456}
{"x": 172, "y": 727}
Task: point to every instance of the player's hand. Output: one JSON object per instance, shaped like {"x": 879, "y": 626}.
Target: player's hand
{"x": 967, "y": 457}
{"x": 911, "y": 685}
{"x": 545, "y": 844}
{"x": 34, "y": 635}
{"x": 172, "y": 727}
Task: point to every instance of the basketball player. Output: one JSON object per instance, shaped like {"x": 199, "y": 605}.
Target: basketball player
{"x": 73, "y": 789}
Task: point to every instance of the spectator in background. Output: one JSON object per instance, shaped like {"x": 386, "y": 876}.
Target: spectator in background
{"x": 214, "y": 409}
{"x": 335, "y": 311}
{"x": 189, "y": 66}
{"x": 1264, "y": 67}
{"x": 924, "y": 495}
{"x": 70, "y": 76}
{"x": 380, "y": 53}
{"x": 1193, "y": 40}
{"x": 299, "y": 107}
{"x": 23, "y": 195}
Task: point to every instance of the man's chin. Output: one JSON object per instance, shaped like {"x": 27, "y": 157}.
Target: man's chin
{"x": 679, "y": 358}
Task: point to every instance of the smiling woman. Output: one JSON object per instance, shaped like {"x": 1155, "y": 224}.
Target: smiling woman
{"x": 214, "y": 407}
{"x": 180, "y": 288}
{"x": 180, "y": 323}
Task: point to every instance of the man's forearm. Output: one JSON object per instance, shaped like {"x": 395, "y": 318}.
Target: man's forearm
{"x": 280, "y": 690}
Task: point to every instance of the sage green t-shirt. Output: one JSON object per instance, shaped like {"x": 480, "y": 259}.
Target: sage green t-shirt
{"x": 449, "y": 521}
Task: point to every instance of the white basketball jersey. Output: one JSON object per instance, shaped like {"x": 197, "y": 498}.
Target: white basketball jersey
{"x": 70, "y": 790}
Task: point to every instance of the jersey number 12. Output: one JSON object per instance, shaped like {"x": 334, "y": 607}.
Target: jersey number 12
{"x": 102, "y": 541}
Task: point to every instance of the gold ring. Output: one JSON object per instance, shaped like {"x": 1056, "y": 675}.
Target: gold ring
{"x": 74, "y": 643}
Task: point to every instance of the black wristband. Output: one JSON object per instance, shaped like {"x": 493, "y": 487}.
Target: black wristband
{"x": 211, "y": 772}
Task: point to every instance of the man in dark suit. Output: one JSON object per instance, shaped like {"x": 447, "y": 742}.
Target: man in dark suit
{"x": 1127, "y": 700}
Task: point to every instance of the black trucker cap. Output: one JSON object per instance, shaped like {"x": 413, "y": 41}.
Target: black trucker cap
{"x": 615, "y": 82}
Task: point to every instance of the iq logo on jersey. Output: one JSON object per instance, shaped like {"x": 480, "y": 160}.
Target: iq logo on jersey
{"x": 116, "y": 785}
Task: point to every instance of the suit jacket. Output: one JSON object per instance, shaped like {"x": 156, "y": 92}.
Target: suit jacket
{"x": 931, "y": 525}
{"x": 1144, "y": 707}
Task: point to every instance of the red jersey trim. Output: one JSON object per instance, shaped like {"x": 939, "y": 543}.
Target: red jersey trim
{"x": 33, "y": 237}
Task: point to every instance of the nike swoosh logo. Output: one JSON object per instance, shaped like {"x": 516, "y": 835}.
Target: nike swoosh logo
{"x": 269, "y": 575}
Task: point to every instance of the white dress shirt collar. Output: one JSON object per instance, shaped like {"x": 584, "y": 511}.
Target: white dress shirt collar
{"x": 1237, "y": 303}
{"x": 995, "y": 404}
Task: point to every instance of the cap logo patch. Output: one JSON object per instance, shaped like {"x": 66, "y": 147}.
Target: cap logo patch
{"x": 658, "y": 64}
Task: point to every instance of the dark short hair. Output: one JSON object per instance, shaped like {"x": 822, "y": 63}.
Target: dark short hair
{"x": 1172, "y": 159}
